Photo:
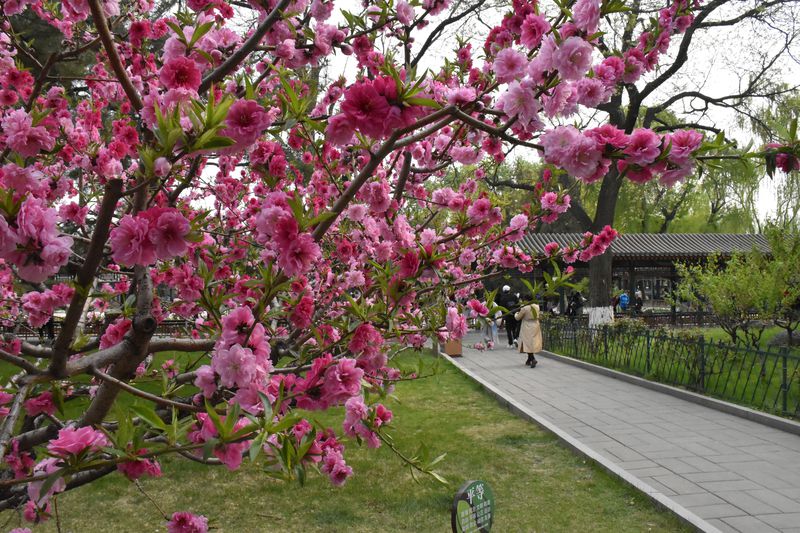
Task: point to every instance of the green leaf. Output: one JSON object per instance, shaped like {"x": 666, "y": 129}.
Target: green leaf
{"x": 249, "y": 90}
{"x": 321, "y": 218}
{"x": 208, "y": 448}
{"x": 148, "y": 414}
{"x": 528, "y": 286}
{"x": 80, "y": 341}
{"x": 257, "y": 445}
{"x": 231, "y": 418}
{"x": 50, "y": 481}
{"x": 178, "y": 31}
{"x": 125, "y": 430}
{"x": 285, "y": 423}
{"x": 437, "y": 460}
{"x": 426, "y": 102}
{"x": 58, "y": 398}
{"x": 212, "y": 142}
{"x": 200, "y": 31}
{"x": 205, "y": 55}
{"x": 214, "y": 416}
{"x": 440, "y": 478}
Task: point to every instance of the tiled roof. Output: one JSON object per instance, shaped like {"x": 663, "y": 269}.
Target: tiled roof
{"x": 659, "y": 245}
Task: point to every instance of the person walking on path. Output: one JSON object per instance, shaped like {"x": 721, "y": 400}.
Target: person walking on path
{"x": 530, "y": 333}
{"x": 509, "y": 300}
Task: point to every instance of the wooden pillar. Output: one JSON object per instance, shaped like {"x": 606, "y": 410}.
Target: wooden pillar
{"x": 672, "y": 284}
{"x": 632, "y": 288}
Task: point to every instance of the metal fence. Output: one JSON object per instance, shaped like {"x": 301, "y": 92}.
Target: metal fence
{"x": 767, "y": 380}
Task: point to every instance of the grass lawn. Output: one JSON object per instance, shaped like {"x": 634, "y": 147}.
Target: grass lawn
{"x": 717, "y": 334}
{"x": 538, "y": 485}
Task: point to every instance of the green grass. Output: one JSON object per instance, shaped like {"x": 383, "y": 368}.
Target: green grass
{"x": 538, "y": 485}
{"x": 717, "y": 334}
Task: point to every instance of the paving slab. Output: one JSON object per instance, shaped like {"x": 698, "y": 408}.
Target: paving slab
{"x": 723, "y": 472}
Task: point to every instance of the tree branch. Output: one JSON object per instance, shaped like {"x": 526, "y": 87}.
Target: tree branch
{"x": 142, "y": 394}
{"x": 683, "y": 49}
{"x": 752, "y": 13}
{"x": 11, "y": 419}
{"x": 159, "y": 344}
{"x": 576, "y": 208}
{"x": 237, "y": 57}
{"x": 85, "y": 278}
{"x": 440, "y": 28}
{"x": 24, "y": 364}
{"x": 349, "y": 193}
{"x": 101, "y": 24}
{"x": 402, "y": 176}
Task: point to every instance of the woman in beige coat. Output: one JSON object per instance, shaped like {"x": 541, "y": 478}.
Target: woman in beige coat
{"x": 530, "y": 332}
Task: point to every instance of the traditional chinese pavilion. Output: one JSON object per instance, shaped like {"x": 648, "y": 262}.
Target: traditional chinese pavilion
{"x": 646, "y": 261}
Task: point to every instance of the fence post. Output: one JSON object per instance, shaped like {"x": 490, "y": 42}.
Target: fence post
{"x": 574, "y": 340}
{"x": 702, "y": 376}
{"x": 605, "y": 341}
{"x": 647, "y": 356}
{"x": 784, "y": 381}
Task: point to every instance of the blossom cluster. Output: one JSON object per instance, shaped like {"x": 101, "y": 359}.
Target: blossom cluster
{"x": 157, "y": 233}
{"x": 31, "y": 241}
{"x": 642, "y": 156}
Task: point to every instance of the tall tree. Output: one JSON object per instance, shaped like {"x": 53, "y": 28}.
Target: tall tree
{"x": 642, "y": 103}
{"x": 769, "y": 123}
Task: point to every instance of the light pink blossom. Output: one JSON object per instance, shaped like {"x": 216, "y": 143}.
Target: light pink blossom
{"x": 586, "y": 15}
{"x": 73, "y": 441}
{"x": 509, "y": 65}
{"x": 573, "y": 58}
{"x": 534, "y": 27}
{"x": 130, "y": 242}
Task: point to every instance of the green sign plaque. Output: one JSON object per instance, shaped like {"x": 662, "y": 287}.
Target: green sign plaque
{"x": 473, "y": 508}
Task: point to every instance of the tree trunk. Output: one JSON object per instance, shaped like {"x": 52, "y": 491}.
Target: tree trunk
{"x": 600, "y": 309}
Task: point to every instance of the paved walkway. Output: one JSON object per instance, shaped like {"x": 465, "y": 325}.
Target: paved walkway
{"x": 736, "y": 475}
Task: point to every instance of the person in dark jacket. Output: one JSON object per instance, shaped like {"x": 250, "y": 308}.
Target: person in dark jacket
{"x": 510, "y": 301}
{"x": 575, "y": 305}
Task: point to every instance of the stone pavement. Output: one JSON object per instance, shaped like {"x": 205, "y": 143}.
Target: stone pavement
{"x": 734, "y": 474}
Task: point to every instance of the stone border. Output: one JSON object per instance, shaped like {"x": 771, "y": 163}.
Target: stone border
{"x": 766, "y": 419}
{"x": 574, "y": 444}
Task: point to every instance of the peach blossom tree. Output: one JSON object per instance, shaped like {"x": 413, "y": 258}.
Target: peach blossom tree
{"x": 269, "y": 172}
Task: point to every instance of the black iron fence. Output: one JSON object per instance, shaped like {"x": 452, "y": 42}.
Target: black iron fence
{"x": 767, "y": 380}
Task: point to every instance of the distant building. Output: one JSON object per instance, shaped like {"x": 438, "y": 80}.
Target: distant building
{"x": 646, "y": 261}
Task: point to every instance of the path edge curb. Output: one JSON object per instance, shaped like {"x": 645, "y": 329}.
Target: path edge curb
{"x": 759, "y": 417}
{"x": 574, "y": 444}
